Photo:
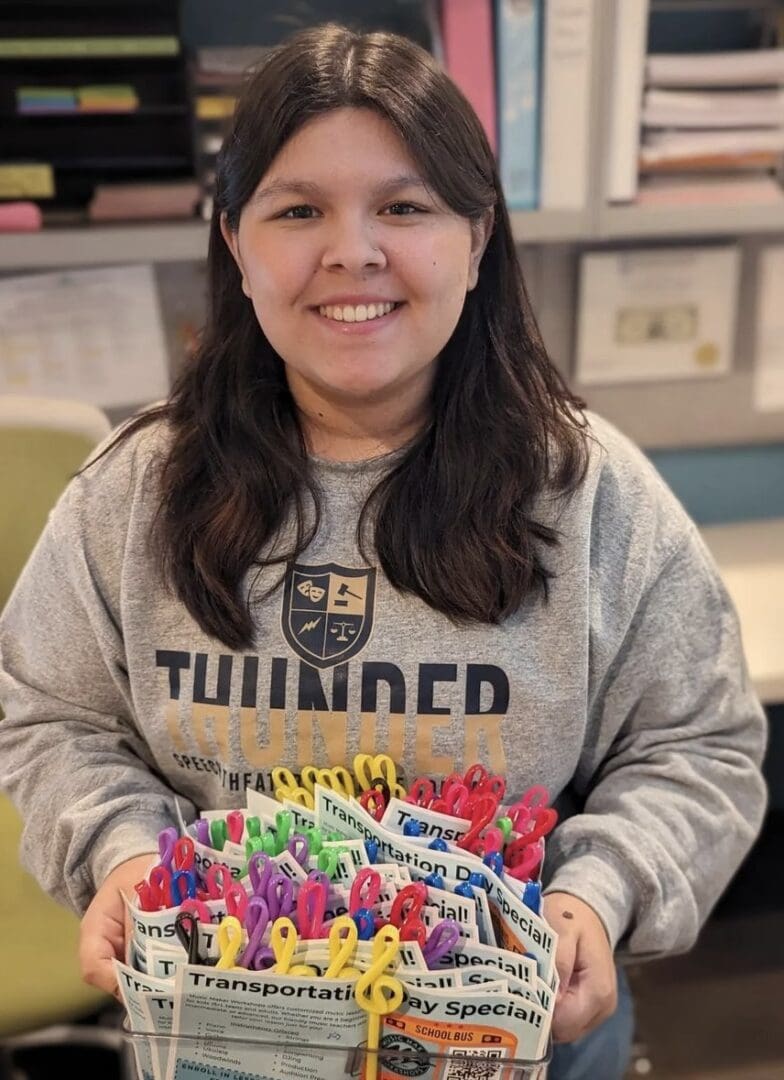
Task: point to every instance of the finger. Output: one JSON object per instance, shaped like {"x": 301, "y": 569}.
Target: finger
{"x": 574, "y": 1017}
{"x": 97, "y": 966}
{"x": 101, "y": 941}
{"x": 595, "y": 959}
{"x": 565, "y": 957}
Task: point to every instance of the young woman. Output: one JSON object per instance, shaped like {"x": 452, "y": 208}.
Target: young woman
{"x": 372, "y": 517}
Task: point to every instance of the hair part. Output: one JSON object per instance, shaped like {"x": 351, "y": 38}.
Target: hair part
{"x": 452, "y": 522}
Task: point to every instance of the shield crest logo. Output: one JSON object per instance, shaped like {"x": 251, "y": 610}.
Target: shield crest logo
{"x": 328, "y": 612}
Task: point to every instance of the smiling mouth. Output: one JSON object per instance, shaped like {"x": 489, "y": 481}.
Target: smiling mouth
{"x": 357, "y": 313}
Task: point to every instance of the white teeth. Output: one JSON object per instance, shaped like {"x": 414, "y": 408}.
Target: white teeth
{"x": 360, "y": 313}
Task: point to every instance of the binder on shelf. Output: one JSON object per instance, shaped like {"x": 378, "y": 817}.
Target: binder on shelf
{"x": 566, "y": 100}
{"x": 626, "y": 87}
{"x": 518, "y": 57}
{"x": 469, "y": 56}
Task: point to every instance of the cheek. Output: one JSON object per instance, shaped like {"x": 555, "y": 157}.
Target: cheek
{"x": 275, "y": 272}
{"x": 445, "y": 269}
{"x": 275, "y": 279}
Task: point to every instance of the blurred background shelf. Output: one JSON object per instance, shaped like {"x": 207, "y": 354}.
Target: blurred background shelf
{"x": 105, "y": 245}
{"x": 93, "y": 245}
{"x": 618, "y": 222}
{"x": 552, "y": 226}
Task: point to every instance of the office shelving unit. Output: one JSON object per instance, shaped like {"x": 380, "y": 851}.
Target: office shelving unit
{"x": 702, "y": 412}
{"x": 106, "y": 43}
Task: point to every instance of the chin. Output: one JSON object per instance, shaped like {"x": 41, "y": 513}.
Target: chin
{"x": 356, "y": 390}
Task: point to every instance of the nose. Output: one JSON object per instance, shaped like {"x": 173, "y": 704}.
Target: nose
{"x": 352, "y": 245}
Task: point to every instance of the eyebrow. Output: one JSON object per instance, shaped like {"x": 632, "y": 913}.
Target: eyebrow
{"x": 308, "y": 188}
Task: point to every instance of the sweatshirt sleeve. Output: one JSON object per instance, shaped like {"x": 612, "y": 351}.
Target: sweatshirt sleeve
{"x": 72, "y": 755}
{"x": 669, "y": 777}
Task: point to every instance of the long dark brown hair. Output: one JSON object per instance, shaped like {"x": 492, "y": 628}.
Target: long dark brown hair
{"x": 452, "y": 520}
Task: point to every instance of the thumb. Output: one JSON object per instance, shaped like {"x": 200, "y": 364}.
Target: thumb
{"x": 565, "y": 958}
{"x": 566, "y": 949}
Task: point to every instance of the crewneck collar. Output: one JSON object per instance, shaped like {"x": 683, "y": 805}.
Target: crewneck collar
{"x": 382, "y": 462}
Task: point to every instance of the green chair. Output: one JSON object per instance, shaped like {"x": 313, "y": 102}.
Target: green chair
{"x": 43, "y": 442}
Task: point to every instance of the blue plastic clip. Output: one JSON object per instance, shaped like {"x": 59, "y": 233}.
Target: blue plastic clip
{"x": 412, "y": 828}
{"x": 479, "y": 880}
{"x": 371, "y": 847}
{"x": 532, "y": 896}
{"x": 365, "y": 923}
{"x": 495, "y": 862}
{"x": 438, "y": 844}
{"x": 465, "y": 888}
{"x": 434, "y": 881}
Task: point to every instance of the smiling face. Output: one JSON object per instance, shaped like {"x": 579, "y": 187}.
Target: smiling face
{"x": 340, "y": 228}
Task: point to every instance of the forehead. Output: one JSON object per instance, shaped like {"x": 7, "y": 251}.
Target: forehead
{"x": 355, "y": 142}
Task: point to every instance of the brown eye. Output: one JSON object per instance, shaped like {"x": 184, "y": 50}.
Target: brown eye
{"x": 403, "y": 209}
{"x": 297, "y": 213}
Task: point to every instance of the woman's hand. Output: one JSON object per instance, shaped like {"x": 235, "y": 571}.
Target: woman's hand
{"x": 588, "y": 993}
{"x": 105, "y": 924}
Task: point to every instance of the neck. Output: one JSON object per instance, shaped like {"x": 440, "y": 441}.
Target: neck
{"x": 357, "y": 430}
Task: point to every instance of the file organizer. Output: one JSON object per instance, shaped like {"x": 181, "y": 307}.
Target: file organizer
{"x": 147, "y": 137}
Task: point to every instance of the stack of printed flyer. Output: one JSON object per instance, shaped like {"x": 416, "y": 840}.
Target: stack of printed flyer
{"x": 285, "y": 942}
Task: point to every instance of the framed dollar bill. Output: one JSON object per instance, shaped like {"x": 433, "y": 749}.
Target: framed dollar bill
{"x": 656, "y": 314}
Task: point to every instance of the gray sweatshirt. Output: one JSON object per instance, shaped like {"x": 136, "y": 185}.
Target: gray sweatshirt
{"x": 626, "y": 694}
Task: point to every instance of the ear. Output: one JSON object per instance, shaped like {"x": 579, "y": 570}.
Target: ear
{"x": 481, "y": 232}
{"x": 232, "y": 240}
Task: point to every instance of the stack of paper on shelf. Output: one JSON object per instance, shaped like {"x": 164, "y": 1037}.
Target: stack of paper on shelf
{"x": 713, "y": 108}
{"x": 717, "y": 114}
{"x": 144, "y": 201}
{"x": 742, "y": 67}
{"x": 699, "y": 190}
{"x": 45, "y": 99}
{"x": 682, "y": 152}
{"x": 113, "y": 98}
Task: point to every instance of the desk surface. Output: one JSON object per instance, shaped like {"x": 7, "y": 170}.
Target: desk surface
{"x": 750, "y": 556}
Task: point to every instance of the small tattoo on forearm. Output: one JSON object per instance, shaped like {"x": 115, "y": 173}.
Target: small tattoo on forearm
{"x": 567, "y": 914}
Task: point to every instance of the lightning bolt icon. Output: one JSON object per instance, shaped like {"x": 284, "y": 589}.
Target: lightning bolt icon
{"x": 310, "y": 625}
